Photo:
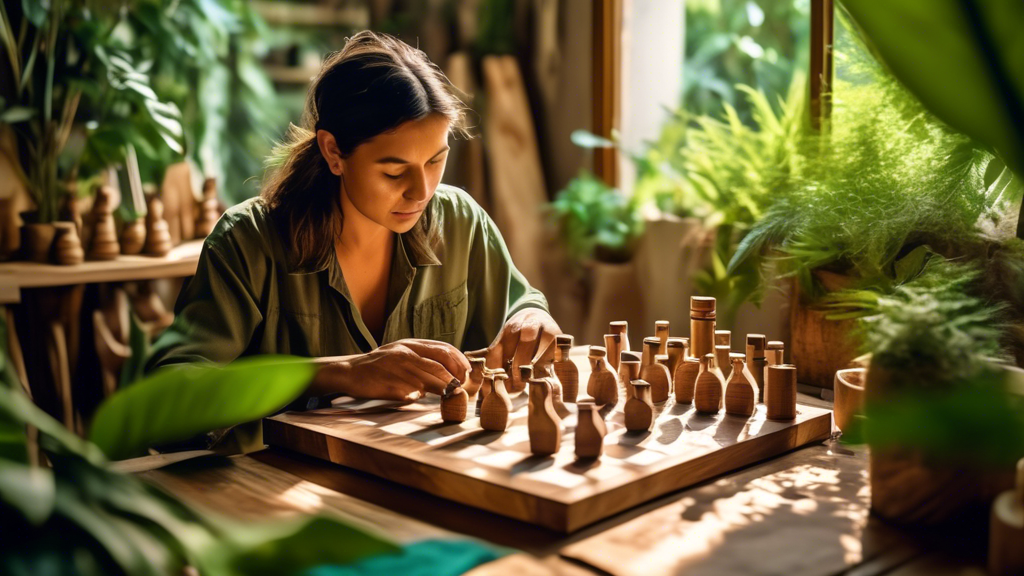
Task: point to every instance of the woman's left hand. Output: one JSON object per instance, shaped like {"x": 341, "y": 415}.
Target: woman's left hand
{"x": 527, "y": 337}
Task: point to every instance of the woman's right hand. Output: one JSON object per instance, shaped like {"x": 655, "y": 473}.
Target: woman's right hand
{"x": 402, "y": 370}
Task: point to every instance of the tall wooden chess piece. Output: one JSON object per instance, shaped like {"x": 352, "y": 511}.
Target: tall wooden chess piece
{"x": 158, "y": 238}
{"x": 544, "y": 425}
{"x": 565, "y": 370}
{"x": 649, "y": 348}
{"x": 780, "y": 392}
{"x": 629, "y": 370}
{"x": 209, "y": 209}
{"x": 613, "y": 344}
{"x": 546, "y": 371}
{"x": 656, "y": 374}
{"x": 740, "y": 390}
{"x": 497, "y": 405}
{"x": 454, "y": 403}
{"x": 590, "y": 431}
{"x": 639, "y": 410}
{"x": 661, "y": 332}
{"x": 756, "y": 361}
{"x": 707, "y": 395}
{"x": 620, "y": 327}
{"x": 676, "y": 352}
{"x": 685, "y": 379}
{"x": 774, "y": 351}
{"x": 702, "y": 325}
{"x": 104, "y": 245}
{"x": 603, "y": 385}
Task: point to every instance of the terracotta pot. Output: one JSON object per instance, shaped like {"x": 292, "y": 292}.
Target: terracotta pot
{"x": 908, "y": 489}
{"x": 67, "y": 247}
{"x": 817, "y": 346}
{"x": 36, "y": 241}
{"x": 614, "y": 295}
{"x": 849, "y": 396}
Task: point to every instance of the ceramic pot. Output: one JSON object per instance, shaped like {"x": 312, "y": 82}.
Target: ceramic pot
{"x": 819, "y": 347}
{"x": 36, "y": 241}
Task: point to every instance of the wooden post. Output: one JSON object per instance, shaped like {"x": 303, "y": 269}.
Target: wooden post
{"x": 822, "y": 21}
{"x": 607, "y": 41}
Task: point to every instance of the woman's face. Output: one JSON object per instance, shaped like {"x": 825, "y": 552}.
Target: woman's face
{"x": 391, "y": 178}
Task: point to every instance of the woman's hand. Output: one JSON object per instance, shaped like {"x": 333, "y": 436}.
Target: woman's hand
{"x": 402, "y": 370}
{"x": 527, "y": 338}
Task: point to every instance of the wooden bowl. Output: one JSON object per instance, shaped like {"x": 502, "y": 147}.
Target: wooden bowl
{"x": 849, "y": 396}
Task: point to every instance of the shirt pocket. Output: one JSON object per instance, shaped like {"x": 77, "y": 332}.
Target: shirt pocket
{"x": 443, "y": 317}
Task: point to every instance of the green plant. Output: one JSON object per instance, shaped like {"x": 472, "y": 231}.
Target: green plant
{"x": 79, "y": 517}
{"x": 596, "y": 221}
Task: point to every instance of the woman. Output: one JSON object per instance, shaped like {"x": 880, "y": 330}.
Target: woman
{"x": 354, "y": 254}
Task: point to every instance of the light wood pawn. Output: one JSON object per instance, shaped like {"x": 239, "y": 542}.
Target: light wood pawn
{"x": 657, "y": 375}
{"x": 740, "y": 390}
{"x": 676, "y": 352}
{"x": 104, "y": 244}
{"x": 529, "y": 372}
{"x": 629, "y": 370}
{"x": 780, "y": 392}
{"x": 565, "y": 369}
{"x": 67, "y": 247}
{"x": 661, "y": 332}
{"x": 685, "y": 379}
{"x": 756, "y": 361}
{"x": 544, "y": 425}
{"x": 603, "y": 385}
{"x": 620, "y": 327}
{"x": 1006, "y": 530}
{"x": 613, "y": 344}
{"x": 454, "y": 403}
{"x": 497, "y": 405}
{"x": 639, "y": 410}
{"x": 590, "y": 431}
{"x": 158, "y": 238}
{"x": 710, "y": 387}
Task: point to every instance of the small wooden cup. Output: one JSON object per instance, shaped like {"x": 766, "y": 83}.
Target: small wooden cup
{"x": 849, "y": 396}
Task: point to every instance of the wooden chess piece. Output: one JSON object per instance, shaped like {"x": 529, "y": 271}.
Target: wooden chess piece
{"x": 710, "y": 387}
{"x": 651, "y": 345}
{"x": 702, "y": 325}
{"x": 104, "y": 244}
{"x": 544, "y": 425}
{"x": 603, "y": 385}
{"x": 590, "y": 430}
{"x": 620, "y": 327}
{"x": 475, "y": 380}
{"x": 629, "y": 370}
{"x": 613, "y": 344}
{"x": 780, "y": 392}
{"x": 497, "y": 405}
{"x": 676, "y": 351}
{"x": 1006, "y": 530}
{"x": 661, "y": 332}
{"x": 565, "y": 369}
{"x": 158, "y": 239}
{"x": 209, "y": 209}
{"x": 133, "y": 236}
{"x": 66, "y": 245}
{"x": 546, "y": 371}
{"x": 685, "y": 379}
{"x": 639, "y": 410}
{"x": 722, "y": 359}
{"x": 773, "y": 356}
{"x": 454, "y": 403}
{"x": 740, "y": 390}
{"x": 723, "y": 338}
{"x": 656, "y": 374}
{"x": 756, "y": 361}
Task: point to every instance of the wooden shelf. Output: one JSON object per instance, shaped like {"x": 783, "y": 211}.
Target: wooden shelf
{"x": 296, "y": 14}
{"x": 14, "y": 276}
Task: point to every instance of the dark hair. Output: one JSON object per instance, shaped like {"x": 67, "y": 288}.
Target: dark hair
{"x": 372, "y": 85}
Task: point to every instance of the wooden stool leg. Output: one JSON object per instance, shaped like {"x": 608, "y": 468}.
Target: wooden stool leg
{"x": 57, "y": 350}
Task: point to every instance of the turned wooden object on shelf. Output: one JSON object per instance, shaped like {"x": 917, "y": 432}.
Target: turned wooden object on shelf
{"x": 104, "y": 244}
{"x": 702, "y": 326}
{"x": 638, "y": 411}
{"x": 656, "y": 374}
{"x": 740, "y": 390}
{"x": 685, "y": 379}
{"x": 773, "y": 355}
{"x": 710, "y": 387}
{"x": 545, "y": 426}
{"x": 158, "y": 239}
{"x": 590, "y": 431}
{"x": 133, "y": 236}
{"x": 780, "y": 392}
{"x": 676, "y": 351}
{"x": 756, "y": 361}
{"x": 613, "y": 344}
{"x": 497, "y": 405}
{"x": 603, "y": 385}
{"x": 1006, "y": 530}
{"x": 209, "y": 209}
{"x": 475, "y": 379}
{"x": 454, "y": 403}
{"x": 620, "y": 327}
{"x": 661, "y": 332}
{"x": 565, "y": 369}
{"x": 67, "y": 247}
{"x": 629, "y": 370}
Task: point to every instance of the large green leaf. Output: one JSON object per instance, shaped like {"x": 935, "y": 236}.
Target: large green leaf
{"x": 29, "y": 489}
{"x": 179, "y": 402}
{"x": 964, "y": 59}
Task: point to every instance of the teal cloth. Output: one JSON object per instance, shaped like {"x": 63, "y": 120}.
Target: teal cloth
{"x": 424, "y": 558}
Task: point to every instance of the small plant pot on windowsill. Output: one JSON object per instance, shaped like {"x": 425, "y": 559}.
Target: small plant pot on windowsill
{"x": 36, "y": 238}
{"x": 820, "y": 347}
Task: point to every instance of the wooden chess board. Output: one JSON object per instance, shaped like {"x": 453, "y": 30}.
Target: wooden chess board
{"x": 495, "y": 471}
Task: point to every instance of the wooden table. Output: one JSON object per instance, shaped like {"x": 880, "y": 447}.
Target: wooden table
{"x": 803, "y": 513}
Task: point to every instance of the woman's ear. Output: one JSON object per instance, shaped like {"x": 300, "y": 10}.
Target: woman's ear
{"x": 330, "y": 152}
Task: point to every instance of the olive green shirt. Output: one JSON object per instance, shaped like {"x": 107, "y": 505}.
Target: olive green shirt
{"x": 246, "y": 298}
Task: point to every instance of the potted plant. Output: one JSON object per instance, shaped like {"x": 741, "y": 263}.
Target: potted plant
{"x": 599, "y": 228}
